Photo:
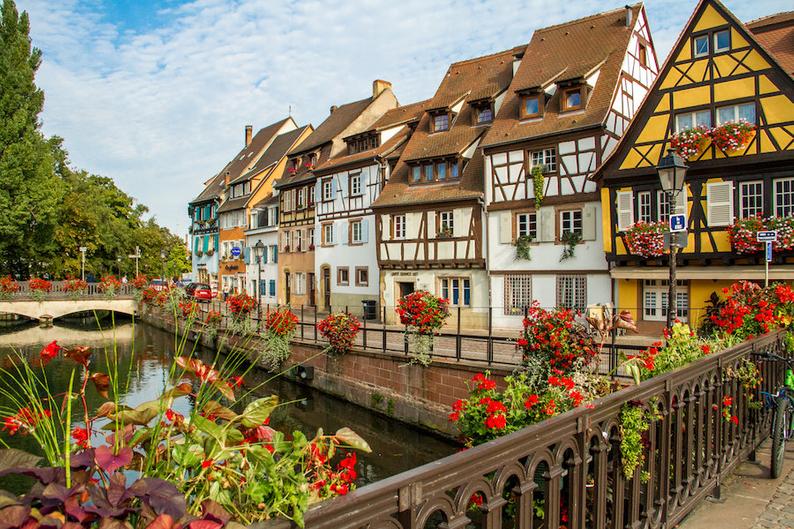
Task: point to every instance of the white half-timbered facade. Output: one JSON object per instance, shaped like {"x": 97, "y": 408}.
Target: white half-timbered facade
{"x": 561, "y": 118}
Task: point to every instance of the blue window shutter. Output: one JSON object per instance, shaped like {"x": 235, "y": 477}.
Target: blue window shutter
{"x": 215, "y": 242}
{"x": 247, "y": 255}
{"x": 264, "y": 255}
{"x": 272, "y": 287}
{"x": 274, "y": 251}
{"x": 195, "y": 244}
{"x": 206, "y": 243}
{"x": 333, "y": 188}
{"x": 365, "y": 230}
{"x": 317, "y": 190}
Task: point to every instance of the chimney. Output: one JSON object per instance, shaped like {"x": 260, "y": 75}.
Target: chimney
{"x": 226, "y": 179}
{"x": 248, "y": 131}
{"x": 378, "y": 86}
{"x": 332, "y": 109}
{"x": 628, "y": 16}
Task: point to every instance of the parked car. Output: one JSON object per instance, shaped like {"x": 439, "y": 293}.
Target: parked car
{"x": 199, "y": 291}
{"x": 159, "y": 284}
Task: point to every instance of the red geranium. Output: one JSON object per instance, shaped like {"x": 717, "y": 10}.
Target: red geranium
{"x": 109, "y": 284}
{"x": 8, "y": 285}
{"x": 422, "y": 311}
{"x": 281, "y": 322}
{"x": 240, "y": 304}
{"x": 74, "y": 286}
{"x": 340, "y": 329}
{"x": 556, "y": 338}
{"x": 40, "y": 285}
{"x": 646, "y": 239}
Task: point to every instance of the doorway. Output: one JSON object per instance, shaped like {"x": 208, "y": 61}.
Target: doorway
{"x": 327, "y": 288}
{"x": 312, "y": 289}
{"x": 287, "y": 293}
{"x": 405, "y": 288}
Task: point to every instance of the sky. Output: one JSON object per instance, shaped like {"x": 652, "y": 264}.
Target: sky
{"x": 156, "y": 93}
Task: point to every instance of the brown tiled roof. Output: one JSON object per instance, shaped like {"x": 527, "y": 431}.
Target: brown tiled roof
{"x": 471, "y": 80}
{"x": 401, "y": 114}
{"x": 335, "y": 123}
{"x": 776, "y": 34}
{"x": 384, "y": 150}
{"x": 563, "y": 52}
{"x": 241, "y": 161}
{"x": 303, "y": 174}
{"x": 277, "y": 150}
{"x": 230, "y": 204}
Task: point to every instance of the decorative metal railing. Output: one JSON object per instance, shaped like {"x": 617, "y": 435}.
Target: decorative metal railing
{"x": 58, "y": 291}
{"x": 566, "y": 471}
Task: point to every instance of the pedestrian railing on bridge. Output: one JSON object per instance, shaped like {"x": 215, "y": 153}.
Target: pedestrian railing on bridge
{"x": 60, "y": 291}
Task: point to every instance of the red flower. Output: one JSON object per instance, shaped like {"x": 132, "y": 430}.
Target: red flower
{"x": 531, "y": 401}
{"x": 496, "y": 422}
{"x": 735, "y": 419}
{"x": 454, "y": 416}
{"x": 207, "y": 463}
{"x": 235, "y": 382}
{"x": 705, "y": 348}
{"x": 50, "y": 351}
{"x": 727, "y": 401}
{"x": 80, "y": 435}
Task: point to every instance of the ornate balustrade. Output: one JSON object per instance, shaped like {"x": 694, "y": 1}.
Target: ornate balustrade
{"x": 58, "y": 291}
{"x": 566, "y": 471}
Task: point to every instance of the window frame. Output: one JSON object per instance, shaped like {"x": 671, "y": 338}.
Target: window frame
{"x": 714, "y": 36}
{"x": 358, "y": 270}
{"x": 695, "y": 39}
{"x": 641, "y": 195}
{"x": 479, "y": 109}
{"x": 351, "y": 231}
{"x": 743, "y": 208}
{"x": 560, "y": 212}
{"x": 446, "y": 217}
{"x": 693, "y": 114}
{"x": 355, "y": 177}
{"x": 327, "y": 184}
{"x": 463, "y": 285}
{"x": 301, "y": 198}
{"x": 396, "y": 226}
{"x": 340, "y": 270}
{"x": 775, "y": 194}
{"x": 326, "y": 241}
{"x": 517, "y": 223}
{"x": 578, "y": 280}
{"x": 450, "y": 171}
{"x": 523, "y": 114}
{"x": 516, "y": 282}
{"x": 544, "y": 152}
{"x": 434, "y": 123}
{"x": 642, "y": 54}
{"x": 564, "y": 106}
{"x": 735, "y": 107}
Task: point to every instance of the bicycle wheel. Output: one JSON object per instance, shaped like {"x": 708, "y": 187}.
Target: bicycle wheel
{"x": 779, "y": 426}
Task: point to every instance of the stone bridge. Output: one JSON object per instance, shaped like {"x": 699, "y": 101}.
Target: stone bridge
{"x": 34, "y": 335}
{"x": 49, "y": 309}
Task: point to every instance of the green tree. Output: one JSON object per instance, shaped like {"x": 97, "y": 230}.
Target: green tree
{"x": 29, "y": 189}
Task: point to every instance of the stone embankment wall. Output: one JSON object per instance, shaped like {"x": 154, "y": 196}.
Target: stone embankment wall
{"x": 382, "y": 382}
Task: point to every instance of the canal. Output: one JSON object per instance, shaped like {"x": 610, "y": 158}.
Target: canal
{"x": 145, "y": 353}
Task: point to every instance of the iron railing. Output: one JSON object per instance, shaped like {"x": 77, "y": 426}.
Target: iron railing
{"x": 58, "y": 291}
{"x": 567, "y": 470}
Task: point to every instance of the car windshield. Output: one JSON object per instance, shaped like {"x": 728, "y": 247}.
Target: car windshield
{"x": 201, "y": 286}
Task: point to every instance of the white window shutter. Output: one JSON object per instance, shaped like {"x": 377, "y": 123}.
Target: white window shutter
{"x": 719, "y": 203}
{"x": 342, "y": 232}
{"x": 460, "y": 226}
{"x": 431, "y": 224}
{"x": 681, "y": 201}
{"x": 546, "y": 218}
{"x": 625, "y": 201}
{"x": 365, "y": 230}
{"x": 589, "y": 222}
{"x": 385, "y": 222}
{"x": 505, "y": 227}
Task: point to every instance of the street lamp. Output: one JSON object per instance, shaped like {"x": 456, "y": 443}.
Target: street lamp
{"x": 259, "y": 251}
{"x": 672, "y": 172}
{"x": 118, "y": 265}
{"x": 162, "y": 259}
{"x": 83, "y": 250}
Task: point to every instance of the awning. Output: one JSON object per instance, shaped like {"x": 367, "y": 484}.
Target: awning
{"x": 716, "y": 273}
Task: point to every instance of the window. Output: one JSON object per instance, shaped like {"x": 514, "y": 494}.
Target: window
{"x": 453, "y": 169}
{"x": 362, "y": 276}
{"x": 416, "y": 173}
{"x": 642, "y": 53}
{"x": 484, "y": 114}
{"x": 527, "y": 225}
{"x": 328, "y": 190}
{"x": 429, "y": 172}
{"x": 446, "y": 224}
{"x": 301, "y": 198}
{"x": 531, "y": 106}
{"x": 572, "y": 99}
{"x": 572, "y": 291}
{"x": 517, "y": 294}
{"x": 274, "y": 254}
{"x": 689, "y": 120}
{"x": 751, "y": 199}
{"x": 362, "y": 143}
{"x": 299, "y": 241}
{"x": 441, "y": 170}
{"x": 701, "y": 44}
{"x": 356, "y": 236}
{"x": 310, "y": 233}
{"x": 328, "y": 234}
{"x": 398, "y": 226}
{"x": 570, "y": 221}
{"x": 722, "y": 40}
{"x": 457, "y": 290}
{"x": 736, "y": 113}
{"x": 342, "y": 276}
{"x": 440, "y": 122}
{"x": 654, "y": 300}
{"x": 547, "y": 158}
{"x": 355, "y": 185}
{"x": 644, "y": 206}
{"x": 271, "y": 287}
{"x": 434, "y": 172}
{"x": 664, "y": 206}
{"x": 288, "y": 200}
{"x": 285, "y": 241}
{"x": 299, "y": 283}
{"x": 784, "y": 197}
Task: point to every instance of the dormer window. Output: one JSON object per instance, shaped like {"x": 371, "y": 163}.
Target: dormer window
{"x": 311, "y": 161}
{"x": 436, "y": 171}
{"x": 572, "y": 99}
{"x": 441, "y": 122}
{"x": 294, "y": 164}
{"x": 483, "y": 112}
{"x": 531, "y": 106}
{"x": 362, "y": 143}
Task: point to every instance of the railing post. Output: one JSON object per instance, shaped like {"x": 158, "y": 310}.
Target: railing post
{"x": 302, "y": 321}
{"x": 490, "y": 336}
{"x": 457, "y": 339}
{"x": 315, "y": 323}
{"x": 383, "y": 328}
{"x": 364, "y": 333}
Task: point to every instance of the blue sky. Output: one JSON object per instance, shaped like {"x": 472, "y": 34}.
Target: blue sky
{"x": 156, "y": 93}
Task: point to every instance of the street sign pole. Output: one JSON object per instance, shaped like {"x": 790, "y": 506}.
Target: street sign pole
{"x": 767, "y": 237}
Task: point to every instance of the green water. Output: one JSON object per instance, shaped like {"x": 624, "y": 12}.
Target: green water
{"x": 144, "y": 356}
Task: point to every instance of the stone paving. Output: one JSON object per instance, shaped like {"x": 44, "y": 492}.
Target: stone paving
{"x": 779, "y": 513}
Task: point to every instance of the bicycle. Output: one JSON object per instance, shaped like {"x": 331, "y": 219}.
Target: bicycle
{"x": 782, "y": 404}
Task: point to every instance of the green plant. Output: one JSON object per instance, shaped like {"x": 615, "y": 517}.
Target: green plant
{"x": 634, "y": 425}
{"x": 523, "y": 247}
{"x": 570, "y": 239}
{"x": 749, "y": 376}
{"x": 537, "y": 184}
{"x": 376, "y": 399}
{"x": 340, "y": 329}
{"x": 280, "y": 325}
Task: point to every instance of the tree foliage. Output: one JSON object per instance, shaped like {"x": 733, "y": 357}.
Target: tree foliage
{"x": 48, "y": 210}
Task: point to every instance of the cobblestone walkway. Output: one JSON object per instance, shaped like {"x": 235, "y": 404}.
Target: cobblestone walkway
{"x": 779, "y": 513}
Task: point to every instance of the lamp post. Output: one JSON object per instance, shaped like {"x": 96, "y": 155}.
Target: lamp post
{"x": 83, "y": 250}
{"x": 672, "y": 172}
{"x": 259, "y": 250}
{"x": 118, "y": 265}
{"x": 162, "y": 259}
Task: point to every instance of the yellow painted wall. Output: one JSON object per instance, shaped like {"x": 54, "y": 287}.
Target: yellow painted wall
{"x": 606, "y": 225}
{"x": 629, "y": 296}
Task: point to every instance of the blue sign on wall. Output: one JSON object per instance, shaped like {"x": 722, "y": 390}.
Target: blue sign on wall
{"x": 769, "y": 251}
{"x": 236, "y": 251}
{"x": 678, "y": 222}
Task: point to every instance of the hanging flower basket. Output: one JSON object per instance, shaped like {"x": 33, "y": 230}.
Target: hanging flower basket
{"x": 733, "y": 136}
{"x": 689, "y": 143}
{"x": 423, "y": 314}
{"x": 645, "y": 239}
{"x": 742, "y": 234}
{"x": 340, "y": 329}
{"x": 785, "y": 232}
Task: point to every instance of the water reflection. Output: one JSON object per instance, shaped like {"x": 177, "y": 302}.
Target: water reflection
{"x": 144, "y": 355}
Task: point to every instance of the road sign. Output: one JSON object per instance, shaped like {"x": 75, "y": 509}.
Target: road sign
{"x": 83, "y": 249}
{"x": 769, "y": 251}
{"x": 681, "y": 238}
{"x": 766, "y": 236}
{"x": 236, "y": 251}
{"x": 678, "y": 222}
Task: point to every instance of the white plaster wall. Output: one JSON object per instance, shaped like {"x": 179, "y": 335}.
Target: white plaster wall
{"x": 269, "y": 268}
{"x": 346, "y": 255}
{"x": 429, "y": 280}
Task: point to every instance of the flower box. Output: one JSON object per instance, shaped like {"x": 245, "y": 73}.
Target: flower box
{"x": 645, "y": 239}
{"x": 733, "y": 136}
{"x": 743, "y": 234}
{"x": 690, "y": 143}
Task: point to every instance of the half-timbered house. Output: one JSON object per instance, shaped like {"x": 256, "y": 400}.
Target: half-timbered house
{"x": 719, "y": 73}
{"x": 347, "y": 185}
{"x": 575, "y": 89}
{"x": 429, "y": 216}
{"x": 296, "y": 188}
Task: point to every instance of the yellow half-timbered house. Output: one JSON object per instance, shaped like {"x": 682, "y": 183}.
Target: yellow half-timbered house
{"x": 719, "y": 72}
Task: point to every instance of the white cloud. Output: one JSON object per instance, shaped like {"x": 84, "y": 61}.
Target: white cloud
{"x": 162, "y": 110}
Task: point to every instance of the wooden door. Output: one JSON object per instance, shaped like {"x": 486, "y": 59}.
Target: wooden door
{"x": 327, "y": 287}
{"x": 286, "y": 288}
{"x": 312, "y": 289}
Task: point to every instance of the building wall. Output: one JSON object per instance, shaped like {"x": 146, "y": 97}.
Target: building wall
{"x": 229, "y": 267}
{"x": 268, "y": 266}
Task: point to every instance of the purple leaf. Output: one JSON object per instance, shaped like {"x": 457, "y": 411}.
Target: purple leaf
{"x": 13, "y": 516}
{"x": 44, "y": 475}
{"x": 117, "y": 488}
{"x": 109, "y": 461}
{"x": 160, "y": 495}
